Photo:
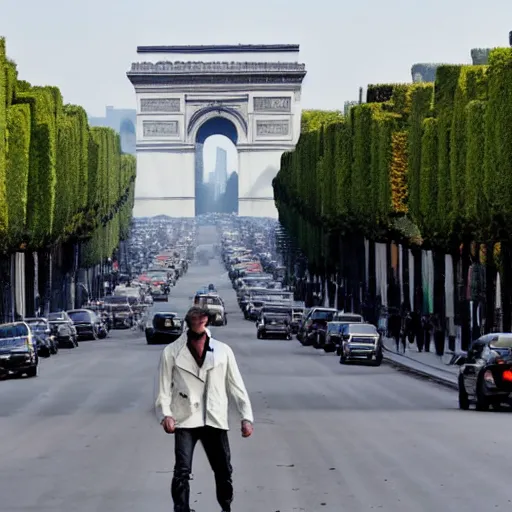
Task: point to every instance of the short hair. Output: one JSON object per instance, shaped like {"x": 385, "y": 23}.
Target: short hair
{"x": 195, "y": 312}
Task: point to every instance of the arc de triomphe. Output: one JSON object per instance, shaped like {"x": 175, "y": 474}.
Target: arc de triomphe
{"x": 250, "y": 93}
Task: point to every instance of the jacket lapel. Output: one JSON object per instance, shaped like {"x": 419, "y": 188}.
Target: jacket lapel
{"x": 209, "y": 363}
{"x": 185, "y": 360}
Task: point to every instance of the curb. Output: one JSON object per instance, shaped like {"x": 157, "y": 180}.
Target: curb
{"x": 421, "y": 373}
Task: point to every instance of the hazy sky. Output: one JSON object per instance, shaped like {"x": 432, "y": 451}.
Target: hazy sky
{"x": 85, "y": 48}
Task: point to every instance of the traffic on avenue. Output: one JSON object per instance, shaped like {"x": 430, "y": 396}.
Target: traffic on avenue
{"x": 338, "y": 424}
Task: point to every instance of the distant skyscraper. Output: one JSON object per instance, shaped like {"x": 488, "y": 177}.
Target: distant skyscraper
{"x": 221, "y": 172}
{"x": 123, "y": 121}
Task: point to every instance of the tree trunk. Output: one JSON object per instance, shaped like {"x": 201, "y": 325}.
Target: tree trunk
{"x": 490, "y": 289}
{"x": 464, "y": 309}
{"x": 506, "y": 251}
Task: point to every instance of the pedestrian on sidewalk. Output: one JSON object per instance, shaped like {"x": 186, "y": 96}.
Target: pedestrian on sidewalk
{"x": 197, "y": 374}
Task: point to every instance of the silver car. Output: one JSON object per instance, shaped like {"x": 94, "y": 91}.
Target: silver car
{"x": 362, "y": 342}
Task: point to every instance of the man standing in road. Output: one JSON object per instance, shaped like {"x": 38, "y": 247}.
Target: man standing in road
{"x": 197, "y": 374}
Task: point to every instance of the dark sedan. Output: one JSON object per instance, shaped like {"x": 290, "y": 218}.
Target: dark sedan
{"x": 485, "y": 377}
{"x": 86, "y": 322}
{"x": 165, "y": 327}
{"x": 18, "y": 352}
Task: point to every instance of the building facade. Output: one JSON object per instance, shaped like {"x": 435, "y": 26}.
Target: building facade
{"x": 249, "y": 93}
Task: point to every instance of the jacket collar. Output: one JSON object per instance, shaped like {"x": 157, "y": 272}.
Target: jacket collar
{"x": 185, "y": 360}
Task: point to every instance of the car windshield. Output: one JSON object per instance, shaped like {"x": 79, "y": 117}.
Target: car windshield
{"x": 323, "y": 315}
{"x": 348, "y": 318}
{"x": 37, "y": 326}
{"x": 278, "y": 311}
{"x": 116, "y": 300}
{"x": 502, "y": 342}
{"x": 57, "y": 317}
{"x": 362, "y": 329}
{"x": 13, "y": 331}
{"x": 213, "y": 301}
{"x": 80, "y": 316}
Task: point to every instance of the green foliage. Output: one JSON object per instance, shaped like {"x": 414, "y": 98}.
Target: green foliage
{"x": 428, "y": 214}
{"x": 379, "y": 93}
{"x": 18, "y": 162}
{"x": 447, "y": 80}
{"x": 421, "y": 96}
{"x": 471, "y": 85}
{"x": 3, "y": 145}
{"x": 11, "y": 78}
{"x": 60, "y": 181}
{"x": 313, "y": 120}
{"x": 43, "y": 159}
{"x": 476, "y": 210}
{"x": 498, "y": 141}
{"x": 428, "y": 164}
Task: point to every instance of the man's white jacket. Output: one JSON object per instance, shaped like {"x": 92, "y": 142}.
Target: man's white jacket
{"x": 198, "y": 396}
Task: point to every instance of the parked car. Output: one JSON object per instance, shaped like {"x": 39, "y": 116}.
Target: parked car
{"x": 215, "y": 306}
{"x": 273, "y": 324}
{"x": 333, "y": 339}
{"x": 122, "y": 316}
{"x": 485, "y": 377}
{"x": 360, "y": 342}
{"x": 18, "y": 351}
{"x": 87, "y": 323}
{"x": 63, "y": 329}
{"x": 41, "y": 328}
{"x": 314, "y": 326}
{"x": 165, "y": 327}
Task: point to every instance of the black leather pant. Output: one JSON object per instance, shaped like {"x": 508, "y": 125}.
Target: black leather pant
{"x": 216, "y": 446}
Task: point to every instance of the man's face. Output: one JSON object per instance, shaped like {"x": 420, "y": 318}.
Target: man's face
{"x": 198, "y": 323}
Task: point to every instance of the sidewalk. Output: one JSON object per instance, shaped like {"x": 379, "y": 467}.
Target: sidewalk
{"x": 425, "y": 364}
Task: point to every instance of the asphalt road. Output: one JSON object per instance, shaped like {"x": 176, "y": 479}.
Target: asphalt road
{"x": 83, "y": 437}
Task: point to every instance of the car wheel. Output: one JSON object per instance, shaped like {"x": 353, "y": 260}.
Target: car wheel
{"x": 32, "y": 372}
{"x": 482, "y": 402}
{"x": 378, "y": 359}
{"x": 258, "y": 335}
{"x": 149, "y": 341}
{"x": 463, "y": 396}
{"x": 343, "y": 359}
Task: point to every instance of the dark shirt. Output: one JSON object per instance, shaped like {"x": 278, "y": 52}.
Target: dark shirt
{"x": 195, "y": 354}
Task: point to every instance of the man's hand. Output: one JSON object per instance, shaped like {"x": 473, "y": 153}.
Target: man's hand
{"x": 247, "y": 428}
{"x": 169, "y": 425}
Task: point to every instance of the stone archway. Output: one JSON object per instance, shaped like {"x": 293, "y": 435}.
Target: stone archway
{"x": 206, "y": 126}
{"x": 182, "y": 90}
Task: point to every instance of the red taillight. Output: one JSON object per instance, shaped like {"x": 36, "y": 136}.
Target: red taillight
{"x": 507, "y": 375}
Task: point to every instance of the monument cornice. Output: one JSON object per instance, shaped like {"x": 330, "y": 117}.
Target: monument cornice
{"x": 215, "y": 67}
{"x": 221, "y": 48}
{"x": 276, "y": 78}
{"x": 208, "y": 89}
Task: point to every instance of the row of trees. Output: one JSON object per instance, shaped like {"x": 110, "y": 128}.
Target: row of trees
{"x": 427, "y": 165}
{"x": 64, "y": 187}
